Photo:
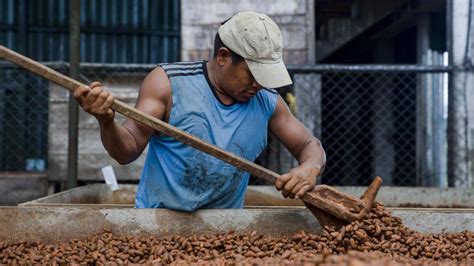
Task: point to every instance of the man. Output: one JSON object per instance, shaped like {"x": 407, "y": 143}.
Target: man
{"x": 229, "y": 102}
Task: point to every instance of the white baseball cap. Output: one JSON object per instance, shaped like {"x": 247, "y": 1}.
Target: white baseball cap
{"x": 259, "y": 41}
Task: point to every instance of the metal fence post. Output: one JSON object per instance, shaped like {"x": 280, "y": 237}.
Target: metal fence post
{"x": 74, "y": 58}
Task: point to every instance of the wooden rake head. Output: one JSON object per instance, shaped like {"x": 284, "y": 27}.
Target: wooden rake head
{"x": 335, "y": 209}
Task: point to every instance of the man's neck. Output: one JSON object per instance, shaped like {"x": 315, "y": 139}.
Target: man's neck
{"x": 212, "y": 72}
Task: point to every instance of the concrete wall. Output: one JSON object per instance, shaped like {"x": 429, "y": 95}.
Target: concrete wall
{"x": 201, "y": 19}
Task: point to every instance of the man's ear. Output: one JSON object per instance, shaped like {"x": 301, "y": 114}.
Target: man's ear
{"x": 223, "y": 56}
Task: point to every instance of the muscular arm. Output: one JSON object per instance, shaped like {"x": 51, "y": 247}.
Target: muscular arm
{"x": 126, "y": 142}
{"x": 303, "y": 146}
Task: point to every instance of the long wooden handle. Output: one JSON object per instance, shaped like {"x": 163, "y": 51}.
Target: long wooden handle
{"x": 146, "y": 119}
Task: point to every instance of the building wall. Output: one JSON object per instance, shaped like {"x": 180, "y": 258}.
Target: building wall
{"x": 201, "y": 19}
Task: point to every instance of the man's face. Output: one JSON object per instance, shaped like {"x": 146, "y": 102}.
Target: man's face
{"x": 238, "y": 82}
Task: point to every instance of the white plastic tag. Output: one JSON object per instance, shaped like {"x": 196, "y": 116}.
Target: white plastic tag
{"x": 109, "y": 176}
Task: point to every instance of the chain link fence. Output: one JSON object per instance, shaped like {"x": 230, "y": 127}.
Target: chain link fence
{"x": 372, "y": 120}
{"x": 23, "y": 120}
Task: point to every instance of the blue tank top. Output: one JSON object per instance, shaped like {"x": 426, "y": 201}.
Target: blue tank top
{"x": 177, "y": 176}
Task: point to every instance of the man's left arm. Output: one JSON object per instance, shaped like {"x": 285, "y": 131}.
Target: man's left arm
{"x": 306, "y": 148}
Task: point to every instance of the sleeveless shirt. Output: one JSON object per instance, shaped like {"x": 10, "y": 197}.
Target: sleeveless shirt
{"x": 177, "y": 176}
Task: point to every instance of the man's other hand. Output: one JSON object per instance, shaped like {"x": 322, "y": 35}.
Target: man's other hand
{"x": 298, "y": 181}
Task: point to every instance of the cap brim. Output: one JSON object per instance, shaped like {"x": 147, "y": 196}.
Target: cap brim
{"x": 272, "y": 75}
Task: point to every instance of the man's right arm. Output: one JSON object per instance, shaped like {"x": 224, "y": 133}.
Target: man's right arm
{"x": 127, "y": 141}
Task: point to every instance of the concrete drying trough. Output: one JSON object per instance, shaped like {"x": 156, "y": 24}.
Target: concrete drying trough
{"x": 436, "y": 224}
{"x": 279, "y": 235}
{"x": 433, "y": 224}
{"x": 94, "y": 212}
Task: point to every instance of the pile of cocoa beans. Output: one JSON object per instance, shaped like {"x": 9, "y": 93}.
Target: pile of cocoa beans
{"x": 378, "y": 239}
